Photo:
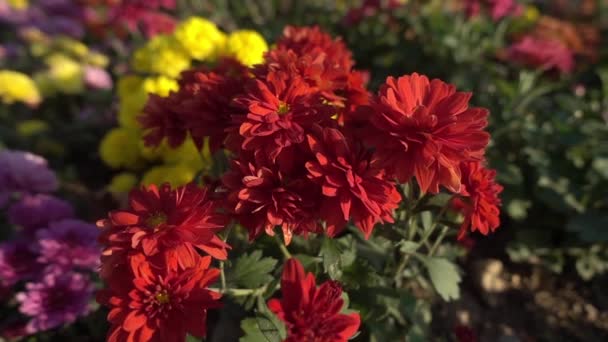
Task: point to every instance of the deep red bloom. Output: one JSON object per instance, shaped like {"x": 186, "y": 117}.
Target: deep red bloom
{"x": 165, "y": 221}
{"x": 320, "y": 72}
{"x": 351, "y": 185}
{"x": 426, "y": 129}
{"x": 313, "y": 41}
{"x": 542, "y": 53}
{"x": 159, "y": 304}
{"x": 263, "y": 197}
{"x": 279, "y": 109}
{"x": 480, "y": 202}
{"x": 161, "y": 120}
{"x": 144, "y": 14}
{"x": 202, "y": 106}
{"x": 312, "y": 313}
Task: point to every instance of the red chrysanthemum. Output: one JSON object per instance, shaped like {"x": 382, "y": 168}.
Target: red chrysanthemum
{"x": 312, "y": 313}
{"x": 279, "y": 110}
{"x": 313, "y": 41}
{"x": 202, "y": 106}
{"x": 161, "y": 120}
{"x": 352, "y": 187}
{"x": 162, "y": 220}
{"x": 542, "y": 53}
{"x": 144, "y": 14}
{"x": 262, "y": 197}
{"x": 426, "y": 129}
{"x": 479, "y": 202}
{"x": 317, "y": 70}
{"x": 159, "y": 304}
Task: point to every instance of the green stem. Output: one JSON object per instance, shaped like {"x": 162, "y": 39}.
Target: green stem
{"x": 222, "y": 263}
{"x": 283, "y": 248}
{"x": 438, "y": 241}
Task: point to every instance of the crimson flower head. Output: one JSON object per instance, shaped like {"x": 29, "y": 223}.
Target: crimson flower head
{"x": 160, "y": 304}
{"x": 479, "y": 202}
{"x": 426, "y": 129}
{"x": 162, "y": 220}
{"x": 313, "y": 41}
{"x": 312, "y": 313}
{"x": 279, "y": 110}
{"x": 351, "y": 185}
{"x": 262, "y": 197}
{"x": 202, "y": 106}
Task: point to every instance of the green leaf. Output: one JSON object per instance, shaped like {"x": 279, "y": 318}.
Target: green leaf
{"x": 408, "y": 247}
{"x": 251, "y": 270}
{"x": 444, "y": 276}
{"x": 262, "y": 328}
{"x": 337, "y": 254}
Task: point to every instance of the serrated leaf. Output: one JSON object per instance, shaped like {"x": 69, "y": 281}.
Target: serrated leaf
{"x": 444, "y": 276}
{"x": 251, "y": 270}
{"x": 330, "y": 251}
{"x": 252, "y": 331}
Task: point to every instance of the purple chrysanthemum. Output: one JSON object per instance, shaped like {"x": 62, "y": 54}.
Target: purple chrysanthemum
{"x": 18, "y": 262}
{"x": 59, "y": 298}
{"x": 69, "y": 243}
{"x": 24, "y": 172}
{"x": 36, "y": 211}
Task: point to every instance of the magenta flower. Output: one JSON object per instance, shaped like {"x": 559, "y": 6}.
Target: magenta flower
{"x": 18, "y": 262}
{"x": 58, "y": 299}
{"x": 24, "y": 172}
{"x": 69, "y": 243}
{"x": 36, "y": 211}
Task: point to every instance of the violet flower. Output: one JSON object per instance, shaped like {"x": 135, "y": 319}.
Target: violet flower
{"x": 58, "y": 299}
{"x": 36, "y": 211}
{"x": 69, "y": 243}
{"x": 24, "y": 172}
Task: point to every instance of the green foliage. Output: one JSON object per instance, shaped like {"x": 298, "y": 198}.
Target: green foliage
{"x": 444, "y": 276}
{"x": 251, "y": 270}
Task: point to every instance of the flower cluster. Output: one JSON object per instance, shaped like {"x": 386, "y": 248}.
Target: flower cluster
{"x": 158, "y": 64}
{"x": 51, "y": 253}
{"x": 313, "y": 149}
{"x": 53, "y": 17}
{"x": 64, "y": 66}
{"x": 157, "y": 280}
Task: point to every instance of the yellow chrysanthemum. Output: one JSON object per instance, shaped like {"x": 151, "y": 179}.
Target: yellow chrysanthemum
{"x": 18, "y": 87}
{"x": 188, "y": 154}
{"x": 97, "y": 59}
{"x": 32, "y": 127}
{"x": 200, "y": 37}
{"x": 176, "y": 175}
{"x": 71, "y": 46}
{"x": 246, "y": 46}
{"x": 64, "y": 76}
{"x": 119, "y": 148}
{"x": 162, "y": 55}
{"x": 122, "y": 183}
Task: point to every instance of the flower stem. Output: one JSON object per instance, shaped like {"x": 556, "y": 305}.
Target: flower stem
{"x": 283, "y": 248}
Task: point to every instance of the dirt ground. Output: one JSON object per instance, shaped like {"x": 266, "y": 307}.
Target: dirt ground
{"x": 507, "y": 302}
